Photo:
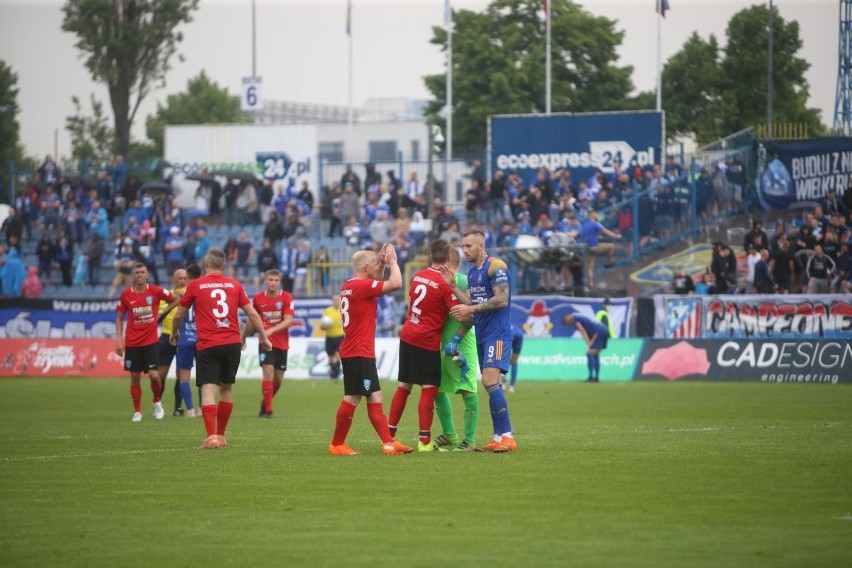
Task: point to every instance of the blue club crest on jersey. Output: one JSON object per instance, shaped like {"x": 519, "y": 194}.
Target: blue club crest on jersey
{"x": 367, "y": 383}
{"x": 278, "y": 305}
{"x": 149, "y": 299}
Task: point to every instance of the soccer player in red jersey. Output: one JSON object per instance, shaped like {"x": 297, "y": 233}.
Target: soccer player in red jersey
{"x": 275, "y": 308}
{"x": 216, "y": 298}
{"x": 429, "y": 302}
{"x": 141, "y": 303}
{"x": 358, "y": 349}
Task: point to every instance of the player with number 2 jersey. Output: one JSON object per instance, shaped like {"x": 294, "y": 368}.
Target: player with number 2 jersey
{"x": 430, "y": 300}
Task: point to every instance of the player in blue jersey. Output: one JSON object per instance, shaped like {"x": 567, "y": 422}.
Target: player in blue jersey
{"x": 185, "y": 356}
{"x": 517, "y": 345}
{"x": 596, "y": 335}
{"x": 488, "y": 299}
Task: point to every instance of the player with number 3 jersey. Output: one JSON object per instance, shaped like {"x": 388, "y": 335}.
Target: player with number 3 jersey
{"x": 216, "y": 299}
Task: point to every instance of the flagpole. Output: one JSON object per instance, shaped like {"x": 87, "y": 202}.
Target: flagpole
{"x": 351, "y": 117}
{"x": 659, "y": 56}
{"x": 547, "y": 80}
{"x": 448, "y": 24}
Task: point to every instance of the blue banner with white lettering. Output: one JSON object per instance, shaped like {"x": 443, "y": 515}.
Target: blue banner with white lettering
{"x": 68, "y": 319}
{"x": 798, "y": 172}
{"x": 582, "y": 143}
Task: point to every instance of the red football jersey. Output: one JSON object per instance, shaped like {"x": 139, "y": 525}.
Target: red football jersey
{"x": 429, "y": 303}
{"x": 142, "y": 309}
{"x": 358, "y": 315}
{"x": 216, "y": 298}
{"x": 272, "y": 310}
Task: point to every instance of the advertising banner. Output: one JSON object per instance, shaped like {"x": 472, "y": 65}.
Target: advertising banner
{"x": 60, "y": 358}
{"x": 541, "y": 316}
{"x": 272, "y": 152}
{"x": 581, "y": 143}
{"x": 565, "y": 360}
{"x": 773, "y": 361}
{"x": 22, "y": 318}
{"x": 794, "y": 316}
{"x": 803, "y": 171}
{"x": 70, "y": 319}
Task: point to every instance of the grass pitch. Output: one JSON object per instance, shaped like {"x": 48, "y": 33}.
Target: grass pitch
{"x": 638, "y": 474}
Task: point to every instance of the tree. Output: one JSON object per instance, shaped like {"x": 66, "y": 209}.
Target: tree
{"x": 92, "y": 138}
{"x": 9, "y": 128}
{"x": 692, "y": 90}
{"x": 127, "y": 45}
{"x": 499, "y": 65}
{"x": 744, "y": 72}
{"x": 204, "y": 102}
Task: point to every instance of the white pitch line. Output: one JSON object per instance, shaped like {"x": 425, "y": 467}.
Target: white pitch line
{"x": 708, "y": 429}
{"x": 94, "y": 455}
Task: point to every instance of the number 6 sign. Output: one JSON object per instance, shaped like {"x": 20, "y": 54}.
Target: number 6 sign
{"x": 251, "y": 97}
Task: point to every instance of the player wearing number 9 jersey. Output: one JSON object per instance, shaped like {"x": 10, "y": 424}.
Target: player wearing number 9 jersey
{"x": 358, "y": 350}
{"x": 429, "y": 301}
{"x": 487, "y": 298}
{"x": 215, "y": 299}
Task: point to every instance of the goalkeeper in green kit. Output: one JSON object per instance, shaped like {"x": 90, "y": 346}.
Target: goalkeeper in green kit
{"x": 459, "y": 374}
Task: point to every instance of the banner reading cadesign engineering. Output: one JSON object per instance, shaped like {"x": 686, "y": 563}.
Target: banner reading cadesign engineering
{"x": 753, "y": 316}
{"x": 738, "y": 360}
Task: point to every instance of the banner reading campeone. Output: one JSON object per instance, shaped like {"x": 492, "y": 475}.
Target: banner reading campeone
{"x": 754, "y": 316}
{"x": 582, "y": 143}
{"x": 803, "y": 171}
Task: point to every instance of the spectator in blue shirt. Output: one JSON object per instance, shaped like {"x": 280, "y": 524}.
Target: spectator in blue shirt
{"x": 590, "y": 232}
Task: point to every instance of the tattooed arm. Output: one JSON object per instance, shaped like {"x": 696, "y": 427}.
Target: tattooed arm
{"x": 500, "y": 299}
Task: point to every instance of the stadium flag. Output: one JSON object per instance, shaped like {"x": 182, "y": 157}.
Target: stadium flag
{"x": 683, "y": 318}
{"x": 662, "y": 8}
{"x": 448, "y": 26}
{"x": 349, "y": 17}
{"x": 548, "y": 57}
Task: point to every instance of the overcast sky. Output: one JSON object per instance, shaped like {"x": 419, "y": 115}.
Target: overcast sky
{"x": 302, "y": 51}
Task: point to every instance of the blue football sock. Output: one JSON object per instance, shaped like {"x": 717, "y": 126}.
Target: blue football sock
{"x": 499, "y": 410}
{"x": 186, "y": 394}
{"x": 590, "y": 359}
{"x": 514, "y": 374}
{"x": 597, "y": 364}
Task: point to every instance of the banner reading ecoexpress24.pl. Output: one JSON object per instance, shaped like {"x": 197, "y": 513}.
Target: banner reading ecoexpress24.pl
{"x": 581, "y": 143}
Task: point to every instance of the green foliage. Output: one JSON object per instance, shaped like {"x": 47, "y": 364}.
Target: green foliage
{"x": 203, "y": 102}
{"x": 128, "y": 45}
{"x": 744, "y": 71}
{"x": 631, "y": 474}
{"x": 692, "y": 94}
{"x": 92, "y": 137}
{"x": 712, "y": 93}
{"x": 10, "y": 148}
{"x": 499, "y": 65}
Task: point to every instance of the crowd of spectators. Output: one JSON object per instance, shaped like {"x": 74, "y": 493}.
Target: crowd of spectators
{"x": 91, "y": 231}
{"x": 812, "y": 254}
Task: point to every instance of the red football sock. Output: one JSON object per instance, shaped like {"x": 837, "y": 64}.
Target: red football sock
{"x": 345, "y": 412}
{"x": 380, "y": 423}
{"x": 400, "y": 398}
{"x": 266, "y": 389}
{"x": 222, "y": 416}
{"x": 426, "y": 412}
{"x": 208, "y": 411}
{"x": 156, "y": 388}
{"x": 136, "y": 397}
